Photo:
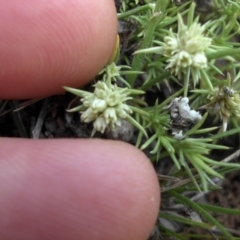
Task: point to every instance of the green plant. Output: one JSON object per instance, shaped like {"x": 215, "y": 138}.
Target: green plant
{"x": 179, "y": 50}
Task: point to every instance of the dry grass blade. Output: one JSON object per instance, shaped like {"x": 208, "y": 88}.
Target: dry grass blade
{"x": 38, "y": 127}
{"x": 27, "y": 103}
{"x": 168, "y": 178}
{"x": 178, "y": 184}
{"x": 19, "y": 107}
{"x": 18, "y": 120}
{"x": 2, "y": 105}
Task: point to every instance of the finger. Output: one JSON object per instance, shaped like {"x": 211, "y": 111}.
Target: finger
{"x": 47, "y": 44}
{"x": 76, "y": 189}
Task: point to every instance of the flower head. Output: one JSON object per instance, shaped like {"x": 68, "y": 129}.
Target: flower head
{"x": 105, "y": 106}
{"x": 225, "y": 102}
{"x": 186, "y": 49}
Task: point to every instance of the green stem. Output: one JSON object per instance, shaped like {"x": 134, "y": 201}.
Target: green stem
{"x": 186, "y": 82}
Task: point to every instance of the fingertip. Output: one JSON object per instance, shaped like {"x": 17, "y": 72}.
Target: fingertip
{"x": 47, "y": 44}
{"x": 82, "y": 189}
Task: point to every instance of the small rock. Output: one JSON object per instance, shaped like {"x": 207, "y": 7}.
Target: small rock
{"x": 123, "y": 132}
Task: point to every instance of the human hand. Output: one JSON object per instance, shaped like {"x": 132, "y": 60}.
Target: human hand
{"x": 66, "y": 189}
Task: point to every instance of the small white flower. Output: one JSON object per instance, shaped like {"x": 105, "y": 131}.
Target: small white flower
{"x": 171, "y": 45}
{"x": 110, "y": 115}
{"x": 178, "y": 61}
{"x": 112, "y": 70}
{"x": 194, "y": 31}
{"x": 112, "y": 99}
{"x": 98, "y": 105}
{"x": 192, "y": 46}
{"x": 115, "y": 124}
{"x": 100, "y": 124}
{"x": 184, "y": 59}
{"x": 99, "y": 93}
{"x": 87, "y": 100}
{"x": 199, "y": 60}
{"x": 88, "y": 115}
{"x": 123, "y": 110}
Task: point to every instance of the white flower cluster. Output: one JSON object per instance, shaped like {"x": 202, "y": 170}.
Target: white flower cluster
{"x": 105, "y": 106}
{"x": 186, "y": 48}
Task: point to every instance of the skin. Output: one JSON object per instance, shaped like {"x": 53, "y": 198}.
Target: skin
{"x": 66, "y": 189}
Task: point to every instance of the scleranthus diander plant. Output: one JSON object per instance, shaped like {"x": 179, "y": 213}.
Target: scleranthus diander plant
{"x": 174, "y": 55}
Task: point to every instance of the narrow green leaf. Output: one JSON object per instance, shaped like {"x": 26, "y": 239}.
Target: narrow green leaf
{"x": 157, "y": 50}
{"x": 217, "y": 209}
{"x": 226, "y": 134}
{"x": 206, "y": 79}
{"x": 220, "y": 163}
{"x": 214, "y": 146}
{"x": 235, "y": 4}
{"x": 156, "y": 80}
{"x": 205, "y": 130}
{"x": 140, "y": 111}
{"x": 197, "y": 126}
{"x": 201, "y": 175}
{"x": 130, "y": 72}
{"x": 135, "y": 11}
{"x": 136, "y": 124}
{"x": 136, "y": 91}
{"x": 138, "y": 60}
{"x": 149, "y": 141}
{"x": 216, "y": 69}
{"x": 184, "y": 220}
{"x": 123, "y": 81}
{"x": 209, "y": 180}
{"x": 202, "y": 91}
{"x": 76, "y": 92}
{"x": 139, "y": 139}
{"x": 175, "y": 160}
{"x": 76, "y": 109}
{"x": 201, "y": 211}
{"x": 189, "y": 172}
{"x": 220, "y": 53}
{"x": 191, "y": 14}
{"x": 197, "y": 159}
{"x": 167, "y": 145}
{"x": 168, "y": 232}
{"x": 157, "y": 146}
{"x": 236, "y": 77}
